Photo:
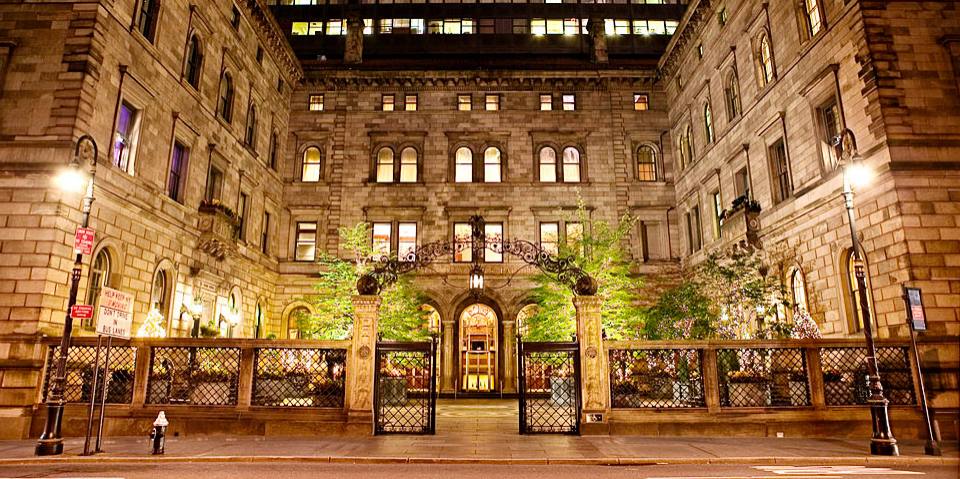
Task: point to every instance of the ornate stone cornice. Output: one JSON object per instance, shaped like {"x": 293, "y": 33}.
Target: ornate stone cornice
{"x": 693, "y": 20}
{"x": 472, "y": 80}
{"x": 273, "y": 38}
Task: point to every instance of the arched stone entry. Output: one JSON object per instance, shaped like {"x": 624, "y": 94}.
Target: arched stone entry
{"x": 478, "y": 349}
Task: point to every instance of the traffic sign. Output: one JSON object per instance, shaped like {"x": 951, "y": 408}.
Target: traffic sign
{"x": 81, "y": 311}
{"x": 83, "y": 241}
{"x": 115, "y": 314}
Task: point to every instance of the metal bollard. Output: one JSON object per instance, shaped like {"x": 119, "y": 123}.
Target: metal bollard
{"x": 159, "y": 433}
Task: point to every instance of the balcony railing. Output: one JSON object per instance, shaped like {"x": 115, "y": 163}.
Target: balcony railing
{"x": 754, "y": 374}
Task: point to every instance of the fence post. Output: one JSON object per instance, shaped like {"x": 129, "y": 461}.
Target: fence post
{"x": 711, "y": 380}
{"x": 141, "y": 375}
{"x": 361, "y": 364}
{"x": 245, "y": 381}
{"x": 815, "y": 377}
{"x": 594, "y": 373}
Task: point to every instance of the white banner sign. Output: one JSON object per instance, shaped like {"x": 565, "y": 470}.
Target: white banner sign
{"x": 115, "y": 314}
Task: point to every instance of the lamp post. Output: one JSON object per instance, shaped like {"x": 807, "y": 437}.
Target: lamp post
{"x": 882, "y": 443}
{"x": 71, "y": 179}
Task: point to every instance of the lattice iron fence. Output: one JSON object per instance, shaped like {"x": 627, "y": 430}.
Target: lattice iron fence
{"x": 79, "y": 373}
{"x": 549, "y": 388}
{"x": 205, "y": 376}
{"x": 299, "y": 377}
{"x": 656, "y": 378}
{"x": 405, "y": 392}
{"x": 845, "y": 375}
{"x": 763, "y": 377}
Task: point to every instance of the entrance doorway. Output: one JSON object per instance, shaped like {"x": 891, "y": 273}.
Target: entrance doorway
{"x": 478, "y": 346}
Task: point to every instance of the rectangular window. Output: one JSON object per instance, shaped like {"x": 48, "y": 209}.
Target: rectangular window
{"x": 178, "y": 168}
{"x": 265, "y": 234}
{"x": 125, "y": 138}
{"x": 494, "y": 235}
{"x": 305, "y": 248}
{"x": 382, "y": 233}
{"x": 316, "y": 102}
{"x": 406, "y": 239}
{"x": 717, "y": 210}
{"x": 463, "y": 237}
{"x": 546, "y": 102}
{"x": 550, "y": 237}
{"x": 491, "y": 102}
{"x": 386, "y": 103}
{"x": 410, "y": 102}
{"x": 830, "y": 128}
{"x": 641, "y": 102}
{"x": 741, "y": 182}
{"x": 569, "y": 102}
{"x": 242, "y": 216}
{"x": 214, "y": 185}
{"x": 463, "y": 166}
{"x": 782, "y": 188}
{"x": 464, "y": 102}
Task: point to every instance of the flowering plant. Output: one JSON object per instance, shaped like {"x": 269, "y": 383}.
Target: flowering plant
{"x": 804, "y": 327}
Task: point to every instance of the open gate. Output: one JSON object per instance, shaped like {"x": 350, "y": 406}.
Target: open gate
{"x": 549, "y": 387}
{"x": 404, "y": 399}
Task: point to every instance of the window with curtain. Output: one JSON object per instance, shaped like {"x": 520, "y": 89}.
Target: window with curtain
{"x": 491, "y": 165}
{"x": 178, "y": 169}
{"x": 406, "y": 239}
{"x": 310, "y": 170}
{"x": 408, "y": 165}
{"x": 708, "y": 123}
{"x": 493, "y": 233}
{"x": 765, "y": 60}
{"x": 548, "y": 165}
{"x": 382, "y": 238}
{"x": 126, "y": 137}
{"x": 550, "y": 237}
{"x": 571, "y": 165}
{"x": 646, "y": 163}
{"x": 385, "y": 165}
{"x": 305, "y": 246}
{"x": 463, "y": 238}
{"x": 463, "y": 165}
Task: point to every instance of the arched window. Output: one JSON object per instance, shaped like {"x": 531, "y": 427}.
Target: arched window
{"x": 194, "y": 62}
{"x": 548, "y": 165}
{"x": 274, "y": 150}
{"x": 463, "y": 165}
{"x": 646, "y": 163}
{"x": 523, "y": 316}
{"x": 571, "y": 165}
{"x": 731, "y": 91}
{"x": 298, "y": 314}
{"x": 158, "y": 294}
{"x": 147, "y": 20}
{"x": 798, "y": 289}
{"x": 852, "y": 291}
{"x": 385, "y": 165}
{"x": 765, "y": 60}
{"x": 259, "y": 321}
{"x": 310, "y": 171}
{"x": 812, "y": 14}
{"x": 250, "y": 139}
{"x": 225, "y": 99}
{"x": 432, "y": 317}
{"x": 408, "y": 165}
{"x": 491, "y": 165}
{"x": 708, "y": 123}
{"x": 688, "y": 145}
{"x": 99, "y": 278}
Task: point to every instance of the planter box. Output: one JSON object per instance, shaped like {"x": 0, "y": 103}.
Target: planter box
{"x": 749, "y": 394}
{"x": 211, "y": 393}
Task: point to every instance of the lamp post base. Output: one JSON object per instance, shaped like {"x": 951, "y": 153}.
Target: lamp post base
{"x": 931, "y": 448}
{"x": 49, "y": 447}
{"x": 884, "y": 447}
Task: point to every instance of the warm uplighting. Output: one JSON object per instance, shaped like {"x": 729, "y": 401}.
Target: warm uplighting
{"x": 71, "y": 180}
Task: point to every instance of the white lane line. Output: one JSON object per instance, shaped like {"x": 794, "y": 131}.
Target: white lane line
{"x": 794, "y": 471}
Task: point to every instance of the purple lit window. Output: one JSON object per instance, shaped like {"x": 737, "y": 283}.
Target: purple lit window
{"x": 125, "y": 137}
{"x": 178, "y": 165}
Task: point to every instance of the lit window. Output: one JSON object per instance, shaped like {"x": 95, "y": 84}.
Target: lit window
{"x": 126, "y": 136}
{"x": 492, "y": 102}
{"x": 546, "y": 102}
{"x": 463, "y": 165}
{"x": 548, "y": 165}
{"x": 731, "y": 91}
{"x": 830, "y": 127}
{"x": 491, "y": 165}
{"x": 386, "y": 103}
{"x": 410, "y": 102}
{"x": 765, "y": 61}
{"x": 854, "y": 309}
{"x": 641, "y": 102}
{"x": 99, "y": 278}
{"x": 538, "y": 26}
{"x": 717, "y": 211}
{"x": 571, "y": 165}
{"x": 316, "y": 102}
{"x": 646, "y": 163}
{"x": 493, "y": 233}
{"x": 335, "y": 27}
{"x": 306, "y": 242}
{"x": 463, "y": 238}
{"x": 408, "y": 165}
{"x": 214, "y": 186}
{"x": 385, "y": 165}
{"x": 798, "y": 289}
{"x": 550, "y": 237}
{"x": 406, "y": 241}
{"x": 381, "y": 239}
{"x": 708, "y": 123}
{"x": 464, "y": 102}
{"x": 569, "y": 102}
{"x": 178, "y": 169}
{"x": 159, "y": 293}
{"x": 782, "y": 186}
{"x": 814, "y": 23}
{"x": 310, "y": 171}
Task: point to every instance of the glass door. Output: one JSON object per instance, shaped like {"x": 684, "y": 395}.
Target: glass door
{"x": 478, "y": 349}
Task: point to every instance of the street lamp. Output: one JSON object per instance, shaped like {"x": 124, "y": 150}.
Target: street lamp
{"x": 476, "y": 281}
{"x": 72, "y": 179}
{"x": 856, "y": 175}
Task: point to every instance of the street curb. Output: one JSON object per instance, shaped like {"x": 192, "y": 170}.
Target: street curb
{"x": 609, "y": 461}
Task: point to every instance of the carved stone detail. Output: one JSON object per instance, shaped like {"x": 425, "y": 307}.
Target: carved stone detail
{"x": 594, "y": 372}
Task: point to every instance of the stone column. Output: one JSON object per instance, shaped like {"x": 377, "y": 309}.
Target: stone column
{"x": 509, "y": 341}
{"x": 594, "y": 367}
{"x": 448, "y": 353}
{"x": 353, "y": 47}
{"x": 361, "y": 364}
{"x": 598, "y": 41}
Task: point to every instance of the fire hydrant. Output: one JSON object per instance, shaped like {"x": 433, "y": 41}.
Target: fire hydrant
{"x": 159, "y": 433}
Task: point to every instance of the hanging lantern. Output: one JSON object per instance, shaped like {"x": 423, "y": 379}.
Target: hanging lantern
{"x": 476, "y": 281}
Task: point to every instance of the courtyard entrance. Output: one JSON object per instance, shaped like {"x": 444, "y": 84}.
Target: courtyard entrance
{"x": 405, "y": 391}
{"x": 549, "y": 387}
{"x": 478, "y": 349}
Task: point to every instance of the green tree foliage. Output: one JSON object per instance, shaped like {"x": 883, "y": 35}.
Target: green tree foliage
{"x": 400, "y": 315}
{"x": 600, "y": 253}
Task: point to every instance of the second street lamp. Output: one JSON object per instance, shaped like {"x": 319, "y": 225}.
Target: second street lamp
{"x": 854, "y": 174}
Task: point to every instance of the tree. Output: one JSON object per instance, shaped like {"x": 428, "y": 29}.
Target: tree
{"x": 400, "y": 315}
{"x": 600, "y": 253}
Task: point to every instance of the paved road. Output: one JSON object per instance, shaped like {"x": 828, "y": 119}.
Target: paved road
{"x": 400, "y": 471}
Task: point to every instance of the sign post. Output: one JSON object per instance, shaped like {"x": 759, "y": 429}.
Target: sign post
{"x": 83, "y": 241}
{"x": 114, "y": 320}
{"x": 917, "y": 318}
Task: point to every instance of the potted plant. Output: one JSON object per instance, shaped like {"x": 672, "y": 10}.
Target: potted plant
{"x": 748, "y": 389}
{"x": 211, "y": 384}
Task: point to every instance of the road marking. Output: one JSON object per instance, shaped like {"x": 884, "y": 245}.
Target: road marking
{"x": 794, "y": 471}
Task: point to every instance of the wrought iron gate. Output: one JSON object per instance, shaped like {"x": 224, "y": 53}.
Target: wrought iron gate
{"x": 404, "y": 399}
{"x": 549, "y": 387}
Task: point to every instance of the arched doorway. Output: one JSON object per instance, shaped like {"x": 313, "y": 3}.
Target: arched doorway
{"x": 478, "y": 343}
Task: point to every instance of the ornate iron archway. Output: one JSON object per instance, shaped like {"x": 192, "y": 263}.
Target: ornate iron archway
{"x": 387, "y": 270}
